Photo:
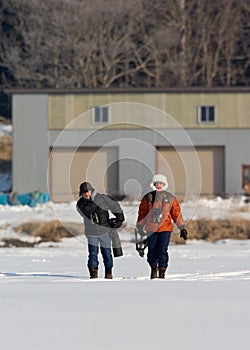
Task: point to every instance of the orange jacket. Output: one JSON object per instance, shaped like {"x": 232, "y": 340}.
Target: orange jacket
{"x": 169, "y": 210}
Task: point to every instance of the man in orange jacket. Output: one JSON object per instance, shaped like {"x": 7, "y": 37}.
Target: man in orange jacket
{"x": 156, "y": 212}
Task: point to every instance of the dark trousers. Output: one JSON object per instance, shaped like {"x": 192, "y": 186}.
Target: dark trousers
{"x": 104, "y": 241}
{"x": 158, "y": 248}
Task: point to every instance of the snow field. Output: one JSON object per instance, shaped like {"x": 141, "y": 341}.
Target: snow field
{"x": 48, "y": 302}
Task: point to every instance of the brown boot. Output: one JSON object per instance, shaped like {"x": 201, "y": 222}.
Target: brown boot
{"x": 153, "y": 272}
{"x": 108, "y": 274}
{"x": 93, "y": 271}
{"x": 162, "y": 271}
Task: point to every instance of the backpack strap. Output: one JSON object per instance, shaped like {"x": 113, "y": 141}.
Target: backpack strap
{"x": 151, "y": 197}
{"x": 167, "y": 197}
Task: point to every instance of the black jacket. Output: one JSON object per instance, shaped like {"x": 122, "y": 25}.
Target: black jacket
{"x": 95, "y": 212}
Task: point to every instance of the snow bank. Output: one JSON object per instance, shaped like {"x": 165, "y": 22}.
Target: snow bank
{"x": 5, "y": 130}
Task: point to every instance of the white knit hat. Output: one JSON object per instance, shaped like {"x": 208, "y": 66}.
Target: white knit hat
{"x": 159, "y": 178}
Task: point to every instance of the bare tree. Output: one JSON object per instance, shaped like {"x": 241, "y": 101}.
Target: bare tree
{"x": 156, "y": 43}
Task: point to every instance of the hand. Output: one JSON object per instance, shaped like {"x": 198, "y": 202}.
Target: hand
{"x": 140, "y": 230}
{"x": 184, "y": 234}
{"x": 118, "y": 224}
{"x": 114, "y": 223}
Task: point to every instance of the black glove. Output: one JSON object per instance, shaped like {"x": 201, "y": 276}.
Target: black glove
{"x": 140, "y": 230}
{"x": 184, "y": 234}
{"x": 114, "y": 223}
{"x": 118, "y": 224}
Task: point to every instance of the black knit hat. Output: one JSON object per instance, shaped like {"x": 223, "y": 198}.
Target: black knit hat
{"x": 85, "y": 187}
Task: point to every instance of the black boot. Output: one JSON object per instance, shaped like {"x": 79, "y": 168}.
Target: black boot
{"x": 108, "y": 274}
{"x": 153, "y": 272}
{"x": 162, "y": 271}
{"x": 93, "y": 271}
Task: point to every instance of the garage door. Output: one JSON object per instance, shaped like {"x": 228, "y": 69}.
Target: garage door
{"x": 180, "y": 169}
{"x": 68, "y": 168}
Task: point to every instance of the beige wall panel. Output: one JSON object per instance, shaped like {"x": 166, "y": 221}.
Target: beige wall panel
{"x": 59, "y": 110}
{"x": 232, "y": 109}
{"x": 69, "y": 169}
{"x": 169, "y": 163}
{"x": 176, "y": 166}
{"x": 71, "y": 107}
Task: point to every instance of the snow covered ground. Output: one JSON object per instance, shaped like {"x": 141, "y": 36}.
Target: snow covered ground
{"x": 5, "y": 130}
{"x": 48, "y": 302}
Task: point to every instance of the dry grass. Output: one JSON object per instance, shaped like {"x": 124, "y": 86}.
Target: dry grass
{"x": 5, "y": 154}
{"x": 6, "y": 147}
{"x": 13, "y": 242}
{"x": 208, "y": 230}
{"x": 175, "y": 239}
{"x": 52, "y": 231}
{"x": 214, "y": 230}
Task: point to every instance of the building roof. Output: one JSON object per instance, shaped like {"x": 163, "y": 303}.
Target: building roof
{"x": 240, "y": 89}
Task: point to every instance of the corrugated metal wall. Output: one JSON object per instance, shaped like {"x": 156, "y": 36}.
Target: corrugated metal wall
{"x": 226, "y": 149}
{"x": 30, "y": 143}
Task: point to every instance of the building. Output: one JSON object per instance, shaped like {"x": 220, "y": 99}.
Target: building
{"x": 117, "y": 138}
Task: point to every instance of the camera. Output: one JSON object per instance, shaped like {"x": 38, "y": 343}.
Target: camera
{"x": 156, "y": 213}
{"x": 112, "y": 222}
{"x": 94, "y": 218}
{"x": 116, "y": 244}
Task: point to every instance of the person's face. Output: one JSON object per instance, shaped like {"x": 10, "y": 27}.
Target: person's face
{"x": 87, "y": 194}
{"x": 159, "y": 186}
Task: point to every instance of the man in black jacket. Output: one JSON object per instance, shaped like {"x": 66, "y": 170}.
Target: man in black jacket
{"x": 95, "y": 207}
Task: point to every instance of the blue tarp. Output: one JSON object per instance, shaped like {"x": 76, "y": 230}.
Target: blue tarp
{"x": 30, "y": 199}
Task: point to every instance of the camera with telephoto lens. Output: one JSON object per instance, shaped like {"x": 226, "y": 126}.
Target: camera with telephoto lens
{"x": 156, "y": 213}
{"x": 94, "y": 218}
{"x": 115, "y": 239}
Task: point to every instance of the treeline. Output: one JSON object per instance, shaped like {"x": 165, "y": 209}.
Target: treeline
{"x": 124, "y": 43}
